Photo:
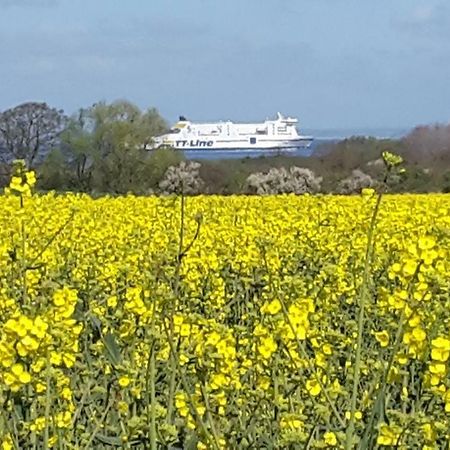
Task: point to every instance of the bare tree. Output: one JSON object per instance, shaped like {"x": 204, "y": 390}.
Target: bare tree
{"x": 30, "y": 131}
{"x": 429, "y": 145}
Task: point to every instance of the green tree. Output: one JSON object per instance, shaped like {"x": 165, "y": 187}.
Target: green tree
{"x": 108, "y": 146}
{"x": 78, "y": 149}
{"x": 54, "y": 173}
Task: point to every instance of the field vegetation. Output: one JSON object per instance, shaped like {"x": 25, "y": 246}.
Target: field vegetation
{"x": 224, "y": 322}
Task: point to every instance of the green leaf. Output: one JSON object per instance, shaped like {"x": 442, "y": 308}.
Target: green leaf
{"x": 114, "y": 441}
{"x": 191, "y": 443}
{"x": 112, "y": 349}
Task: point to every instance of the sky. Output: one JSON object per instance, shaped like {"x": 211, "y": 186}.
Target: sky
{"x": 331, "y": 63}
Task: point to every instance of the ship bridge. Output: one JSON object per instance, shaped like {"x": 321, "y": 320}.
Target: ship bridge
{"x": 286, "y": 120}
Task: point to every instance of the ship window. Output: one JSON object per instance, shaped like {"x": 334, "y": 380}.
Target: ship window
{"x": 175, "y": 130}
{"x": 252, "y": 140}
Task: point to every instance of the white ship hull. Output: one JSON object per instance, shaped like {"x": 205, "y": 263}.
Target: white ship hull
{"x": 238, "y": 144}
{"x": 271, "y": 135}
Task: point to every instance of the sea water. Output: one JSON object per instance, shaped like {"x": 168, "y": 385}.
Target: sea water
{"x": 323, "y": 137}
{"x": 250, "y": 153}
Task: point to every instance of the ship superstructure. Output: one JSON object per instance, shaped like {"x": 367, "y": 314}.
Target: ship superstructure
{"x": 278, "y": 134}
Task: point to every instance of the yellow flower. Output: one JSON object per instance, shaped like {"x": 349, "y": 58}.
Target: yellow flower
{"x": 7, "y": 443}
{"x": 16, "y": 377}
{"x": 327, "y": 350}
{"x": 388, "y": 435}
{"x": 218, "y": 380}
{"x": 383, "y": 338}
{"x": 440, "y": 350}
{"x": 40, "y": 387}
{"x": 181, "y": 404}
{"x": 112, "y": 301}
{"x": 122, "y": 406}
{"x": 272, "y": 308}
{"x": 66, "y": 394}
{"x": 124, "y": 381}
{"x": 419, "y": 334}
{"x": 63, "y": 419}
{"x": 330, "y": 438}
{"x": 221, "y": 398}
{"x": 267, "y": 347}
{"x": 213, "y": 338}
{"x": 428, "y": 432}
{"x": 409, "y": 267}
{"x": 391, "y": 159}
{"x": 313, "y": 387}
{"x": 31, "y": 178}
{"x": 185, "y": 330}
{"x": 39, "y": 328}
{"x": 55, "y": 358}
{"x": 27, "y": 345}
{"x": 19, "y": 372}
{"x": 38, "y": 424}
{"x": 367, "y": 192}
{"x": 291, "y": 422}
{"x": 16, "y": 183}
{"x": 68, "y": 359}
{"x": 438, "y": 368}
{"x": 426, "y": 242}
{"x": 358, "y": 415}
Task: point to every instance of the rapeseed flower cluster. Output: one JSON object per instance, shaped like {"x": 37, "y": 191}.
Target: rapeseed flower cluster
{"x": 22, "y": 180}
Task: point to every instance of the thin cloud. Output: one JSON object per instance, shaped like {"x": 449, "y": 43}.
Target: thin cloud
{"x": 27, "y": 3}
{"x": 423, "y": 14}
{"x": 430, "y": 20}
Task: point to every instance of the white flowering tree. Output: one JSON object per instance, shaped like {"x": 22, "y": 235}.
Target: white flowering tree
{"x": 295, "y": 180}
{"x": 183, "y": 178}
{"x": 357, "y": 181}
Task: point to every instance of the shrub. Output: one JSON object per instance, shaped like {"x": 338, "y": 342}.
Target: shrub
{"x": 355, "y": 182}
{"x": 183, "y": 178}
{"x": 295, "y": 180}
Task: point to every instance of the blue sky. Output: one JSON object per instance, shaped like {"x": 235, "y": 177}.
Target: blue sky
{"x": 332, "y": 63}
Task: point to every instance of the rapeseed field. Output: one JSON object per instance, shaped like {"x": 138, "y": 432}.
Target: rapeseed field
{"x": 224, "y": 322}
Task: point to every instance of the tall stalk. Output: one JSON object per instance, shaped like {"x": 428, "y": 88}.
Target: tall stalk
{"x": 349, "y": 438}
{"x": 150, "y": 383}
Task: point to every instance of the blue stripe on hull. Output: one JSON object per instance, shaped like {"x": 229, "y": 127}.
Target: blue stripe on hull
{"x": 244, "y": 149}
{"x": 237, "y": 150}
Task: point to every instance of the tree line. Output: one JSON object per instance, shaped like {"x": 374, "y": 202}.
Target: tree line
{"x": 105, "y": 149}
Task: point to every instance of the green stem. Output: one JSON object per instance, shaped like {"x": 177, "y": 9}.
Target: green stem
{"x": 150, "y": 383}
{"x": 23, "y": 257}
{"x": 187, "y": 388}
{"x": 153, "y": 401}
{"x": 99, "y": 424}
{"x": 172, "y": 382}
{"x": 47, "y": 403}
{"x": 362, "y": 303}
{"x": 208, "y": 414}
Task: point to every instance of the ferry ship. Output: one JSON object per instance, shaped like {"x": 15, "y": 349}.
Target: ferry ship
{"x": 278, "y": 134}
